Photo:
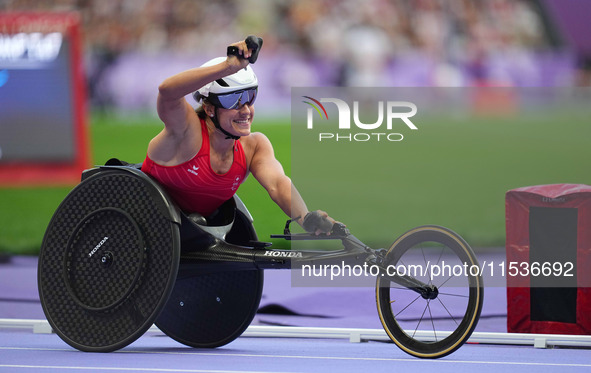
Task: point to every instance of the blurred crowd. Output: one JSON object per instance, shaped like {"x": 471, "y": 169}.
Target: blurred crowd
{"x": 446, "y": 29}
{"x": 361, "y": 38}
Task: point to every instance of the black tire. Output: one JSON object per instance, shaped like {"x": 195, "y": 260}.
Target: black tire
{"x": 431, "y": 328}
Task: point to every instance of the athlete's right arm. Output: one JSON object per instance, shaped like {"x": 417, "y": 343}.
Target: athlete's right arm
{"x": 173, "y": 109}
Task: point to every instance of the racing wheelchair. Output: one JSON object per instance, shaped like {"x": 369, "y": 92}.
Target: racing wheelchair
{"x": 119, "y": 256}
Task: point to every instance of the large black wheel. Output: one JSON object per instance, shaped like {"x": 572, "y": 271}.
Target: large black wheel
{"x": 433, "y": 324}
{"x": 109, "y": 260}
{"x": 211, "y": 309}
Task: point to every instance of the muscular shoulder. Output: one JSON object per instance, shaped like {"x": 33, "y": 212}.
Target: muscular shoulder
{"x": 255, "y": 142}
{"x": 171, "y": 147}
{"x": 257, "y": 146}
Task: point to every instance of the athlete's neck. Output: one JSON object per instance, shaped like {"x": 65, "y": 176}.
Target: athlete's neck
{"x": 218, "y": 141}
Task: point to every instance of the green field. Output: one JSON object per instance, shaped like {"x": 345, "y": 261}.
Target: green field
{"x": 453, "y": 172}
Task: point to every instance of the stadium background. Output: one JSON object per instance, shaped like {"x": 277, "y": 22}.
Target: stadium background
{"x": 131, "y": 45}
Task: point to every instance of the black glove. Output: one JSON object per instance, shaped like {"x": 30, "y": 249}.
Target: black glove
{"x": 253, "y": 43}
{"x": 313, "y": 221}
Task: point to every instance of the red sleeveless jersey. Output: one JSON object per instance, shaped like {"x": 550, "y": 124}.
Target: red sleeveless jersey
{"x": 193, "y": 185}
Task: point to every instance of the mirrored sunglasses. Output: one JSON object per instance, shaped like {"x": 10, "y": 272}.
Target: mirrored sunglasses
{"x": 234, "y": 100}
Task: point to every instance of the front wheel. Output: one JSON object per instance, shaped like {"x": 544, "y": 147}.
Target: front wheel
{"x": 435, "y": 323}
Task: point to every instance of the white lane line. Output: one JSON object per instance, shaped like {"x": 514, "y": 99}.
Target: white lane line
{"x": 417, "y": 360}
{"x": 128, "y": 369}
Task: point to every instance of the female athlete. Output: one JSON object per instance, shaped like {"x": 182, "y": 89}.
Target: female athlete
{"x": 202, "y": 156}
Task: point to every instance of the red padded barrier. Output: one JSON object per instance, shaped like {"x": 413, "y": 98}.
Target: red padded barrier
{"x": 562, "y": 224}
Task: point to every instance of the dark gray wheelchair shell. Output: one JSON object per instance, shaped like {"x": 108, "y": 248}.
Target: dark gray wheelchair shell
{"x": 109, "y": 268}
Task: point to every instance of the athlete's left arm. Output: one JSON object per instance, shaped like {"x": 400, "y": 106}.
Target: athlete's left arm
{"x": 270, "y": 174}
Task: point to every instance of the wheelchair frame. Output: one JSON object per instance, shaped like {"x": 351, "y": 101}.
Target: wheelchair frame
{"x": 206, "y": 290}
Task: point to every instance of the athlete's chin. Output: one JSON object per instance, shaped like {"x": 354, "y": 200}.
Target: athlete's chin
{"x": 243, "y": 128}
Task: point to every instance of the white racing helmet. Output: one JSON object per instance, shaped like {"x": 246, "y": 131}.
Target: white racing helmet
{"x": 230, "y": 90}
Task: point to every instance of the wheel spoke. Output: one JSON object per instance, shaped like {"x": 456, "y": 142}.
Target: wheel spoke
{"x": 432, "y": 322}
{"x": 455, "y": 295}
{"x": 449, "y": 313}
{"x": 440, "y": 254}
{"x": 408, "y": 305}
{"x": 426, "y": 265}
{"x": 445, "y": 282}
{"x": 421, "y": 319}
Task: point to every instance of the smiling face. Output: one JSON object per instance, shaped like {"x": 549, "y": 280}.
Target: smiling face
{"x": 235, "y": 121}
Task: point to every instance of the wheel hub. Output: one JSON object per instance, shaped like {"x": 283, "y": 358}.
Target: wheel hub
{"x": 430, "y": 292}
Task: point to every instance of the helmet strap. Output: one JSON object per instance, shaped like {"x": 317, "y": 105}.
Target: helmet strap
{"x": 217, "y": 125}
